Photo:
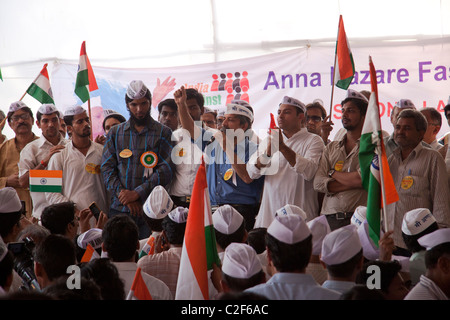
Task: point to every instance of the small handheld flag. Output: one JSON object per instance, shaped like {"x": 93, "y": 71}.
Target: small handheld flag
{"x": 45, "y": 180}
{"x": 40, "y": 88}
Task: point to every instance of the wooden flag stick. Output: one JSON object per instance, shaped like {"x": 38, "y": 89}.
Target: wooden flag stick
{"x": 332, "y": 85}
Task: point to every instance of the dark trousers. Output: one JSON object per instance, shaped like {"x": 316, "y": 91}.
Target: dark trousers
{"x": 338, "y": 220}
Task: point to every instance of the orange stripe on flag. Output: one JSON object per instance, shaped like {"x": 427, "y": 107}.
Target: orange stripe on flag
{"x": 87, "y": 256}
{"x": 139, "y": 288}
{"x": 46, "y": 174}
{"x": 343, "y": 52}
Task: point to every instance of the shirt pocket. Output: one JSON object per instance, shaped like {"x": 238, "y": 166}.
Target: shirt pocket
{"x": 417, "y": 187}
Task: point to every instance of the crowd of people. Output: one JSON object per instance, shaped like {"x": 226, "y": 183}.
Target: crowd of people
{"x": 289, "y": 210}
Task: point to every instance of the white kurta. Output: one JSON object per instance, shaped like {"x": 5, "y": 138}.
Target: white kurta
{"x": 287, "y": 184}
{"x": 80, "y": 185}
{"x": 30, "y": 157}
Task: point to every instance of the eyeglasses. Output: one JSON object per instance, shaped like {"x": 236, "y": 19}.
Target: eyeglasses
{"x": 313, "y": 118}
{"x": 24, "y": 116}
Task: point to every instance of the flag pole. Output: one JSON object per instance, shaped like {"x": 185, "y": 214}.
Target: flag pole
{"x": 90, "y": 118}
{"x": 332, "y": 85}
{"x": 383, "y": 191}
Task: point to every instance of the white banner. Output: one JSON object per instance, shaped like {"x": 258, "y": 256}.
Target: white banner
{"x": 419, "y": 73}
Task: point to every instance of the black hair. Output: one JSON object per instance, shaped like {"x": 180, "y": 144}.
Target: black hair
{"x": 362, "y": 105}
{"x": 173, "y": 230}
{"x": 432, "y": 255}
{"x": 289, "y": 257}
{"x": 169, "y": 103}
{"x": 345, "y": 269}
{"x": 56, "y": 217}
{"x": 27, "y": 109}
{"x": 257, "y": 239}
{"x": 192, "y": 93}
{"x": 411, "y": 240}
{"x": 223, "y": 240}
{"x": 120, "y": 238}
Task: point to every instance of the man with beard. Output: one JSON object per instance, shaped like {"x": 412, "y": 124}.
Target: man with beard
{"x": 37, "y": 154}
{"x": 419, "y": 174}
{"x": 295, "y": 159}
{"x": 80, "y": 163}
{"x": 136, "y": 157}
{"x": 20, "y": 119}
{"x": 339, "y": 175}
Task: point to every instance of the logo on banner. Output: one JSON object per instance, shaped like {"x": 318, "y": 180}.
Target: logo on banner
{"x": 236, "y": 85}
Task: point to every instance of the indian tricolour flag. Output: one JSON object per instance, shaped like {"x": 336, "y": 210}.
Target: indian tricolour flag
{"x": 139, "y": 290}
{"x": 46, "y": 181}
{"x": 199, "y": 247}
{"x": 375, "y": 174}
{"x": 85, "y": 82}
{"x": 40, "y": 88}
{"x": 89, "y": 254}
{"x": 345, "y": 67}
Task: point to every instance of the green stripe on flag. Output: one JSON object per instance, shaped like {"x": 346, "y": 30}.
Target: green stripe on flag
{"x": 1, "y": 77}
{"x": 345, "y": 83}
{"x": 81, "y": 84}
{"x": 371, "y": 184}
{"x": 47, "y": 188}
{"x": 40, "y": 95}
{"x": 212, "y": 255}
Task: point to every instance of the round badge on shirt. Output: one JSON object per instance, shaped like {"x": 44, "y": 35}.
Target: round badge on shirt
{"x": 92, "y": 168}
{"x": 125, "y": 153}
{"x": 149, "y": 159}
{"x": 228, "y": 174}
{"x": 339, "y": 165}
{"x": 407, "y": 182}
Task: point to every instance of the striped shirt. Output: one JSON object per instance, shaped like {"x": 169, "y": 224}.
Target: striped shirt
{"x": 425, "y": 185}
{"x": 426, "y": 289}
{"x": 121, "y": 172}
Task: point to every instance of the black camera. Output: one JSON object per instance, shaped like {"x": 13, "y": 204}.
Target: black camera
{"x": 23, "y": 262}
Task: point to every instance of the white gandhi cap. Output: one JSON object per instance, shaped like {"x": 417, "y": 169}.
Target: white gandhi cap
{"x": 319, "y": 229}
{"x": 227, "y": 219}
{"x": 240, "y": 261}
{"x": 158, "y": 204}
{"x": 340, "y": 245}
{"x": 289, "y": 229}
{"x": 417, "y": 220}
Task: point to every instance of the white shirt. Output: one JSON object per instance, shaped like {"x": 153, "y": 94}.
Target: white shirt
{"x": 30, "y": 157}
{"x": 293, "y": 286}
{"x": 287, "y": 184}
{"x": 79, "y": 185}
{"x": 426, "y": 289}
{"x": 187, "y": 158}
{"x": 158, "y": 289}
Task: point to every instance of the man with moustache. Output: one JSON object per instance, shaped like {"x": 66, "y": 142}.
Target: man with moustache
{"x": 80, "y": 163}
{"x": 419, "y": 174}
{"x": 226, "y": 153}
{"x": 136, "y": 157}
{"x": 295, "y": 160}
{"x": 37, "y": 154}
{"x": 338, "y": 176}
{"x": 20, "y": 119}
{"x": 185, "y": 154}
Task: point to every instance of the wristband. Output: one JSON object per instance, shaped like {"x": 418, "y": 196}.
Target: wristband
{"x": 43, "y": 164}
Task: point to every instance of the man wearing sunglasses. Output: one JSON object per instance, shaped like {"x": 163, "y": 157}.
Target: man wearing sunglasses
{"x": 317, "y": 121}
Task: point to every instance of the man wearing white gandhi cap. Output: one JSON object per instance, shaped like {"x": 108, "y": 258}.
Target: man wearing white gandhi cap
{"x": 165, "y": 263}
{"x": 289, "y": 163}
{"x": 417, "y": 223}
{"x": 435, "y": 284}
{"x": 80, "y": 163}
{"x": 342, "y": 255}
{"x": 241, "y": 268}
{"x": 289, "y": 246}
{"x": 226, "y": 155}
{"x": 229, "y": 226}
{"x": 36, "y": 155}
